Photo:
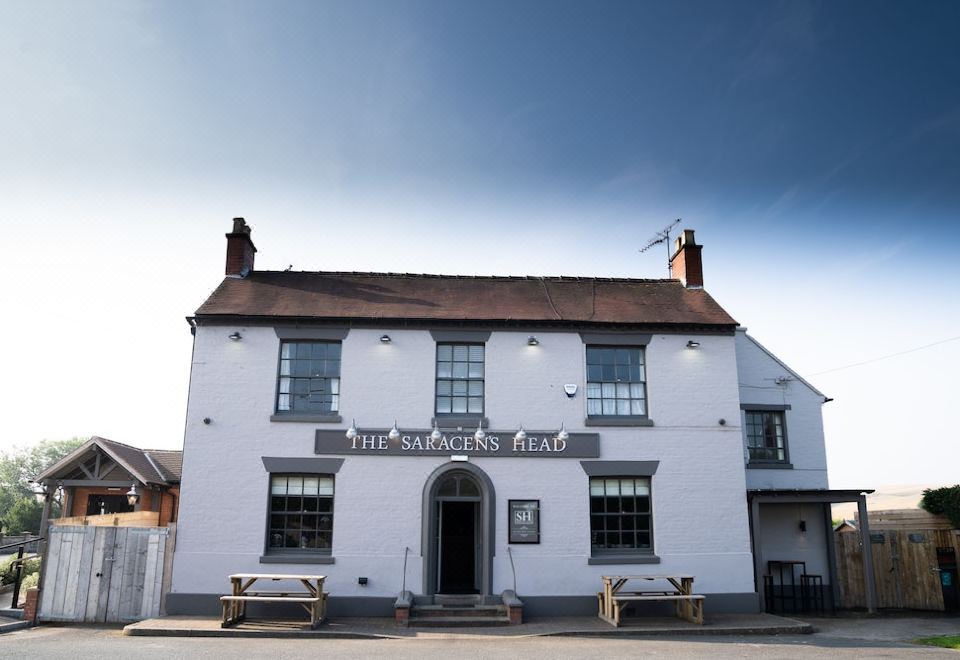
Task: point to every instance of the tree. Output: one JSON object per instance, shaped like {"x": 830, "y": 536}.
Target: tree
{"x": 944, "y": 501}
{"x": 24, "y": 516}
{"x": 17, "y": 469}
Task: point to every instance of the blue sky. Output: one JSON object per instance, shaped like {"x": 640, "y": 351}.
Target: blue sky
{"x": 812, "y": 145}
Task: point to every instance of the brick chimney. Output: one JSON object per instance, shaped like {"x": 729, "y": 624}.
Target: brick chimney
{"x": 240, "y": 249}
{"x": 686, "y": 264}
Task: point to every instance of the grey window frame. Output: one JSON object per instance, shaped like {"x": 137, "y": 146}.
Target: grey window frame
{"x": 622, "y": 555}
{"x": 616, "y": 419}
{"x": 272, "y": 551}
{"x": 302, "y": 415}
{"x": 459, "y": 416}
{"x": 767, "y": 410}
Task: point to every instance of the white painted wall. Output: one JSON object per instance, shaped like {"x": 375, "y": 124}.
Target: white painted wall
{"x": 757, "y": 372}
{"x": 700, "y": 512}
{"x": 782, "y": 540}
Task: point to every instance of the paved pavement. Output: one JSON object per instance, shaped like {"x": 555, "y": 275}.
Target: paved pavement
{"x": 94, "y": 644}
{"x": 384, "y": 628}
{"x": 840, "y": 639}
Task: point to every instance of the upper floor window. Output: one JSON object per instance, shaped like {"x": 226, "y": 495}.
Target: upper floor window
{"x": 459, "y": 379}
{"x": 309, "y": 380}
{"x": 766, "y": 436}
{"x": 616, "y": 381}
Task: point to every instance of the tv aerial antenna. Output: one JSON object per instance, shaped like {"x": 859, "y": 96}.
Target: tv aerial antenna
{"x": 662, "y": 236}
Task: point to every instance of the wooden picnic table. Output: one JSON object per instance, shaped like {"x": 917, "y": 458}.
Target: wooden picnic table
{"x": 313, "y": 599}
{"x": 614, "y": 599}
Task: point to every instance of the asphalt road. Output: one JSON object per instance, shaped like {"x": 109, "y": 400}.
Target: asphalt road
{"x": 81, "y": 643}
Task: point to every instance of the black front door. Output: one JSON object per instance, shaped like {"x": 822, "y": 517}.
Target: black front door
{"x": 458, "y": 547}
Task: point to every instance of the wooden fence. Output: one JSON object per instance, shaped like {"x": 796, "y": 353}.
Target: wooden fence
{"x": 131, "y": 519}
{"x": 105, "y": 574}
{"x": 904, "y": 566}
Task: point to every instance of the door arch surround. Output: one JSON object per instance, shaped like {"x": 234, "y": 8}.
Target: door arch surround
{"x": 428, "y": 548}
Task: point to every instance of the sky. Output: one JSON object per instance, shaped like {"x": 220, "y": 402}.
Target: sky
{"x": 813, "y": 146}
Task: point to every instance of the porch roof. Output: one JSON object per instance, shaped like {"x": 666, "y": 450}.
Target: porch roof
{"x": 808, "y": 494}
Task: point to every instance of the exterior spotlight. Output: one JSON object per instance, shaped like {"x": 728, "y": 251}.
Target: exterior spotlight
{"x": 385, "y": 339}
{"x": 234, "y": 336}
{"x": 435, "y": 434}
{"x": 394, "y": 434}
{"x": 693, "y": 344}
{"x": 532, "y": 341}
{"x": 352, "y": 431}
{"x": 479, "y": 435}
{"x": 132, "y": 495}
{"x": 521, "y": 435}
{"x": 562, "y": 435}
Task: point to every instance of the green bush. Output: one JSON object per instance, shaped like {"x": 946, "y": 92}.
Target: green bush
{"x": 7, "y": 571}
{"x": 945, "y": 501}
{"x": 31, "y": 580}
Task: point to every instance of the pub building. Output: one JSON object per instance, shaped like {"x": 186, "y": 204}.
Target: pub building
{"x": 414, "y": 437}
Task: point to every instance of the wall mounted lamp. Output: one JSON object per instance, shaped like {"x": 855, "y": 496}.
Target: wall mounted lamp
{"x": 693, "y": 344}
{"x": 394, "y": 433}
{"x": 385, "y": 339}
{"x": 132, "y": 495}
{"x": 532, "y": 341}
{"x": 234, "y": 336}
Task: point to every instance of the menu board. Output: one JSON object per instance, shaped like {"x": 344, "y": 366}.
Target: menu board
{"x": 524, "y": 521}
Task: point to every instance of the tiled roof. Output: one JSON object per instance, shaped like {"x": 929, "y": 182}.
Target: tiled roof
{"x": 135, "y": 458}
{"x": 390, "y": 296}
{"x": 168, "y": 460}
{"x": 164, "y": 468}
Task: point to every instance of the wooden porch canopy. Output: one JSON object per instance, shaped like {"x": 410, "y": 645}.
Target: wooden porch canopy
{"x": 103, "y": 463}
{"x": 816, "y": 496}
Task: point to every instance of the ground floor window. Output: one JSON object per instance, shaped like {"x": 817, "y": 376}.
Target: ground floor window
{"x": 620, "y": 519}
{"x": 301, "y": 513}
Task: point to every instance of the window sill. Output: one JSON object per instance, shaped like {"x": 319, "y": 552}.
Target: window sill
{"x": 769, "y": 466}
{"x": 608, "y": 560}
{"x": 313, "y": 419}
{"x": 462, "y": 421}
{"x": 296, "y": 559}
{"x": 617, "y": 420}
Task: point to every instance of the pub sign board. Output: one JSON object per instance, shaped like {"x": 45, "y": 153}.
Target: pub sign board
{"x": 524, "y": 521}
{"x": 537, "y": 444}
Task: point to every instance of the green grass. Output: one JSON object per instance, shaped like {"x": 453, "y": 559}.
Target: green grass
{"x": 945, "y": 642}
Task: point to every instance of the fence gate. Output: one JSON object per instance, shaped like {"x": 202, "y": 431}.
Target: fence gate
{"x": 905, "y": 564}
{"x": 104, "y": 574}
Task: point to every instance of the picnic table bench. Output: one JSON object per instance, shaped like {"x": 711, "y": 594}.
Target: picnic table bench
{"x": 313, "y": 599}
{"x": 614, "y": 600}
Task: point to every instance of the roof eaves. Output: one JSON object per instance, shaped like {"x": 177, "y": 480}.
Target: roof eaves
{"x": 361, "y": 321}
{"x": 72, "y": 456}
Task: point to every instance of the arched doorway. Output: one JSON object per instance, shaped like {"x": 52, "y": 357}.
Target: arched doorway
{"x": 458, "y": 531}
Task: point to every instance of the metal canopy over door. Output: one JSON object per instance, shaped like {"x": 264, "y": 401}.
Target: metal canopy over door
{"x": 103, "y": 574}
{"x": 458, "y": 540}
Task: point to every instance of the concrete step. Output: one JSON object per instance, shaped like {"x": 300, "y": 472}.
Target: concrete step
{"x": 9, "y": 625}
{"x": 457, "y": 599}
{"x": 430, "y": 611}
{"x": 458, "y": 621}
